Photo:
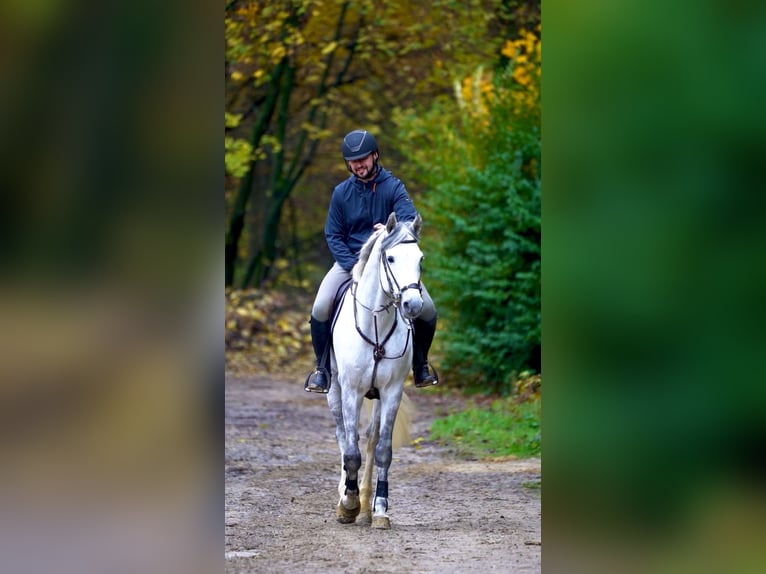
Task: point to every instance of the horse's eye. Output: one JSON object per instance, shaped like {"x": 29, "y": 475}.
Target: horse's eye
{"x": 390, "y": 259}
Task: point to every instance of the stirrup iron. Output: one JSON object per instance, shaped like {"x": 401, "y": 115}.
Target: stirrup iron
{"x": 425, "y": 383}
{"x": 309, "y": 387}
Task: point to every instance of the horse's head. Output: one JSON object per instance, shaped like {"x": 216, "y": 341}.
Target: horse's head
{"x": 400, "y": 259}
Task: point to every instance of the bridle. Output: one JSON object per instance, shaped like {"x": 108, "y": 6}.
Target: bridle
{"x": 395, "y": 292}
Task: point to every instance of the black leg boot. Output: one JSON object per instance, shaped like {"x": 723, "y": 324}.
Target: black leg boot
{"x": 423, "y": 336}
{"x": 319, "y": 380}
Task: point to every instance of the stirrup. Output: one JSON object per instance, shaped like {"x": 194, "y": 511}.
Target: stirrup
{"x": 310, "y": 385}
{"x": 429, "y": 380}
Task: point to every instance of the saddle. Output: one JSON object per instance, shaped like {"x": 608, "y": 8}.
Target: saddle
{"x": 334, "y": 311}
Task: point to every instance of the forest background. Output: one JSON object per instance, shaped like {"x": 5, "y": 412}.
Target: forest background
{"x": 451, "y": 90}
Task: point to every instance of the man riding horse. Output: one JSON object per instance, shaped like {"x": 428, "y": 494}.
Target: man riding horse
{"x": 360, "y": 205}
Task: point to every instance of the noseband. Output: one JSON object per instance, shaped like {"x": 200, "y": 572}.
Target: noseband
{"x": 394, "y": 291}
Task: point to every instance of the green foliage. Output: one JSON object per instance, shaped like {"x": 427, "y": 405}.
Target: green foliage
{"x": 505, "y": 429}
{"x": 238, "y": 155}
{"x": 483, "y": 208}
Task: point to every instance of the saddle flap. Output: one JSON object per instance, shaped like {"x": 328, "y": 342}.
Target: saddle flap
{"x": 338, "y": 299}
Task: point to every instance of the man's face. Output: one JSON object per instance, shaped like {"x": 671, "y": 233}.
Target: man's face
{"x": 362, "y": 168}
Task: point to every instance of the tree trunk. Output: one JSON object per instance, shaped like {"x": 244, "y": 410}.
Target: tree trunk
{"x": 260, "y": 265}
{"x": 237, "y": 218}
{"x": 284, "y": 180}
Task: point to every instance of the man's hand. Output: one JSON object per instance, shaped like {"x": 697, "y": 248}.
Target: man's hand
{"x": 378, "y": 226}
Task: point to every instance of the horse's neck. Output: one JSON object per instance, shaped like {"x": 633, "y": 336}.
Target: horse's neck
{"x": 370, "y": 294}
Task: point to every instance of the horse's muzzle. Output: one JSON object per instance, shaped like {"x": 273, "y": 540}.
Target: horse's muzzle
{"x": 411, "y": 305}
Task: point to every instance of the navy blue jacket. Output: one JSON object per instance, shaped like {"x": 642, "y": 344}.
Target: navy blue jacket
{"x": 356, "y": 206}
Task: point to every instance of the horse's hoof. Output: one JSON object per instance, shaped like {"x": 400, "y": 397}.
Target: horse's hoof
{"x": 381, "y": 522}
{"x": 365, "y": 518}
{"x": 346, "y": 515}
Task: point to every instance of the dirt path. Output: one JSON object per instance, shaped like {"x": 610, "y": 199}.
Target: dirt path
{"x": 448, "y": 515}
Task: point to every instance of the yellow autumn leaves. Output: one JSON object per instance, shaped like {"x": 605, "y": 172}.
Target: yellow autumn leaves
{"x": 267, "y": 332}
{"x": 525, "y": 54}
{"x": 479, "y": 90}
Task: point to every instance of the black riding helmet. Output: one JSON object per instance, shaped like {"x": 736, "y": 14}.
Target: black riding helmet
{"x": 358, "y": 144}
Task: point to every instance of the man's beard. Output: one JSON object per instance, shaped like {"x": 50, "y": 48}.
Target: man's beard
{"x": 365, "y": 173}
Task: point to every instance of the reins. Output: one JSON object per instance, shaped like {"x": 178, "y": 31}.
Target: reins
{"x": 394, "y": 294}
{"x": 378, "y": 350}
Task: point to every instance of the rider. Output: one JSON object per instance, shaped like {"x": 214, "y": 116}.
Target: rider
{"x": 360, "y": 205}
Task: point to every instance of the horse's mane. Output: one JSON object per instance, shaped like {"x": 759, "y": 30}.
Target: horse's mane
{"x": 399, "y": 233}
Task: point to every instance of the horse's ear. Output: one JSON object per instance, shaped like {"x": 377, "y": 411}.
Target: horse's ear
{"x": 391, "y": 223}
{"x": 417, "y": 225}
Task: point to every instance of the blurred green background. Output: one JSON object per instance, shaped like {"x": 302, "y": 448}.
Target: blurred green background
{"x": 653, "y": 286}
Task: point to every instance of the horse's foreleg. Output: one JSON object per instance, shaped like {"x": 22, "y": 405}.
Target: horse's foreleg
{"x": 348, "y": 505}
{"x": 383, "y": 456}
{"x": 336, "y": 408}
{"x": 365, "y": 488}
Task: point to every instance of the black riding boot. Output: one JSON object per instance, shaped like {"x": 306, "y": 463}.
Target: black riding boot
{"x": 319, "y": 380}
{"x": 423, "y": 336}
